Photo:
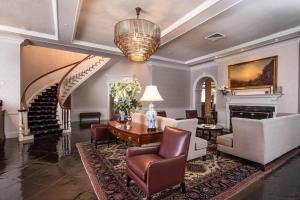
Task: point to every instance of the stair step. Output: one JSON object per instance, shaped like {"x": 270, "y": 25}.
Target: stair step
{"x": 44, "y": 127}
{"x": 41, "y": 112}
{"x": 43, "y": 104}
{"x": 39, "y": 117}
{"x": 42, "y": 122}
{"x": 35, "y": 108}
{"x": 49, "y": 131}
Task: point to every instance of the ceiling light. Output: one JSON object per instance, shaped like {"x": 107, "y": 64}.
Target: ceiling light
{"x": 137, "y": 38}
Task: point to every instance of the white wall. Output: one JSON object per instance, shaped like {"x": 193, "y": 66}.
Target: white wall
{"x": 209, "y": 69}
{"x": 173, "y": 85}
{"x": 92, "y": 95}
{"x": 10, "y": 84}
{"x": 288, "y": 73}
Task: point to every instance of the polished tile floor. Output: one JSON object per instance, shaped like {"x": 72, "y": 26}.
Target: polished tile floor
{"x": 51, "y": 169}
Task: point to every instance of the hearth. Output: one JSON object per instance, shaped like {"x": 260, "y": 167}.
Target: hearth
{"x": 251, "y": 112}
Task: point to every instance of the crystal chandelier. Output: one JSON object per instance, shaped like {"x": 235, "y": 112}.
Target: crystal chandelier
{"x": 137, "y": 38}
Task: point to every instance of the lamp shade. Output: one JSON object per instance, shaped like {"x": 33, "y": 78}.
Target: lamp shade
{"x": 151, "y": 94}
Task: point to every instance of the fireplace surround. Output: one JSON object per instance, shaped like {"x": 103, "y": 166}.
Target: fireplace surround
{"x": 251, "y": 106}
{"x": 250, "y": 112}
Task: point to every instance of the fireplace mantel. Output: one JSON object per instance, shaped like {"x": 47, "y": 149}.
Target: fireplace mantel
{"x": 263, "y": 97}
{"x": 251, "y": 100}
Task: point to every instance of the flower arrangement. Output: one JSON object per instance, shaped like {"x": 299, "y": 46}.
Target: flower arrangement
{"x": 224, "y": 90}
{"x": 124, "y": 93}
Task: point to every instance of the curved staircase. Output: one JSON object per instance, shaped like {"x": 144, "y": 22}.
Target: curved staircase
{"x": 42, "y": 115}
{"x": 44, "y": 109}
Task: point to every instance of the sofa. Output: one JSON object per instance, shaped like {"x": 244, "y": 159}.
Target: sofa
{"x": 261, "y": 141}
{"x": 197, "y": 147}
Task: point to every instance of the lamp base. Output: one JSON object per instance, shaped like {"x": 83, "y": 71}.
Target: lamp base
{"x": 151, "y": 117}
{"x": 151, "y": 129}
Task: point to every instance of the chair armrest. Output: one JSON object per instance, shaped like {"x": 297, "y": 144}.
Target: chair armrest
{"x": 135, "y": 151}
{"x": 165, "y": 172}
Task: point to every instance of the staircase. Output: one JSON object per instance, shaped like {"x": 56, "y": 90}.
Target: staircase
{"x": 42, "y": 115}
{"x": 78, "y": 75}
{"x": 44, "y": 109}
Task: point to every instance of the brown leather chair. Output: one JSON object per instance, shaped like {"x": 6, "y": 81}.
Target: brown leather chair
{"x": 156, "y": 168}
{"x": 100, "y": 133}
{"x": 161, "y": 113}
{"x": 191, "y": 114}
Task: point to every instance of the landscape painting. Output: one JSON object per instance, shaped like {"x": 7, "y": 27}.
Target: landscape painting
{"x": 260, "y": 73}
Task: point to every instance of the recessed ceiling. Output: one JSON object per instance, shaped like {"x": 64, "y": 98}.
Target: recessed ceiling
{"x": 33, "y": 15}
{"x": 97, "y": 18}
{"x": 247, "y": 21}
{"x": 89, "y": 24}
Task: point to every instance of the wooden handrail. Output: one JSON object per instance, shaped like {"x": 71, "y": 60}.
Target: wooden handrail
{"x": 23, "y": 100}
{"x": 63, "y": 78}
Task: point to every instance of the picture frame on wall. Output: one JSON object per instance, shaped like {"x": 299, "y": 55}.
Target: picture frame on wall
{"x": 261, "y": 73}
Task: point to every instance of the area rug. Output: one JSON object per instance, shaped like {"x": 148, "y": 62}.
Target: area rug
{"x": 216, "y": 178}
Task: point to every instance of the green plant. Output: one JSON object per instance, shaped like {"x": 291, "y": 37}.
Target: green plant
{"x": 124, "y": 93}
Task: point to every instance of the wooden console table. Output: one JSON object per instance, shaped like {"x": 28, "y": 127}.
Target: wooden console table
{"x": 137, "y": 134}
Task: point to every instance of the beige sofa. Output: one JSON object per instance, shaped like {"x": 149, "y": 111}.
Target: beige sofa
{"x": 197, "y": 146}
{"x": 261, "y": 141}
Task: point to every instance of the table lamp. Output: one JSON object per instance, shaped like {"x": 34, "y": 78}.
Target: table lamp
{"x": 151, "y": 94}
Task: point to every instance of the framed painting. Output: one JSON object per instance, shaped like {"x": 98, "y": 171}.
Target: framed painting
{"x": 260, "y": 73}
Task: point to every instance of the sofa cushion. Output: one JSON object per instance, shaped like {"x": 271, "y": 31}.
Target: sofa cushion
{"x": 226, "y": 140}
{"x": 139, "y": 164}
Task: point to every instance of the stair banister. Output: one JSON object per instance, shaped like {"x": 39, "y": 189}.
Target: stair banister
{"x": 23, "y": 112}
{"x": 64, "y": 112}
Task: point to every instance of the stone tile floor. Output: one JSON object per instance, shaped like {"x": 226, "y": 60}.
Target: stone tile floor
{"x": 50, "y": 169}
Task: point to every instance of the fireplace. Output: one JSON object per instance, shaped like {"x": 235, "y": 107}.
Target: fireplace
{"x": 251, "y": 112}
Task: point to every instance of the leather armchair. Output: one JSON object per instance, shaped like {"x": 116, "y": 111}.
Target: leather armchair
{"x": 162, "y": 113}
{"x": 156, "y": 168}
{"x": 190, "y": 114}
{"x": 101, "y": 133}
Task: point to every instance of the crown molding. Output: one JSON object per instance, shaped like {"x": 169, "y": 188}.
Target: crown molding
{"x": 78, "y": 10}
{"x": 154, "y": 57}
{"x": 55, "y": 18}
{"x": 100, "y": 47}
{"x": 167, "y": 65}
{"x": 203, "y": 65}
{"x": 203, "y": 6}
{"x": 267, "y": 40}
{"x": 17, "y": 40}
{"x": 273, "y": 46}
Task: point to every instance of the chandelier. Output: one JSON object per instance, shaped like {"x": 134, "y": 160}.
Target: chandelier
{"x": 137, "y": 38}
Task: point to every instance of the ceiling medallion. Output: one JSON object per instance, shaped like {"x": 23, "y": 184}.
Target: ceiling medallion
{"x": 137, "y": 38}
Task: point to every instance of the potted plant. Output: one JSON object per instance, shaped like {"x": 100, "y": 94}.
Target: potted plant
{"x": 123, "y": 93}
{"x": 224, "y": 90}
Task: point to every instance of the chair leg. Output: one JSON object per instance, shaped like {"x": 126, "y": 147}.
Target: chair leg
{"x": 128, "y": 181}
{"x": 183, "y": 190}
{"x": 95, "y": 144}
{"x": 204, "y": 158}
{"x": 91, "y": 140}
{"x": 148, "y": 197}
{"x": 218, "y": 153}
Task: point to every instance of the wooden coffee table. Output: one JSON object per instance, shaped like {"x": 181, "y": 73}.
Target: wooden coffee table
{"x": 210, "y": 128}
{"x": 137, "y": 134}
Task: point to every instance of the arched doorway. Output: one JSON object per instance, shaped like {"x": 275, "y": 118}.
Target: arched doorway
{"x": 205, "y": 98}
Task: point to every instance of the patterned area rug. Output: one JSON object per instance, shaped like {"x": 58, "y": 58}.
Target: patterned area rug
{"x": 216, "y": 178}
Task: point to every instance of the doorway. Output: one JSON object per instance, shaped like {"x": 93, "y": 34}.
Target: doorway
{"x": 205, "y": 99}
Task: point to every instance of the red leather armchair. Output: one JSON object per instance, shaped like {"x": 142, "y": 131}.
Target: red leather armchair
{"x": 100, "y": 133}
{"x": 156, "y": 168}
